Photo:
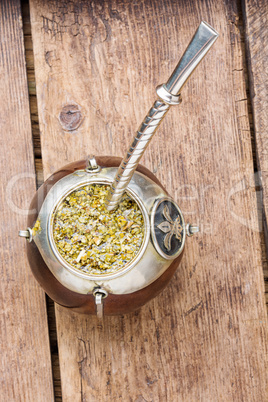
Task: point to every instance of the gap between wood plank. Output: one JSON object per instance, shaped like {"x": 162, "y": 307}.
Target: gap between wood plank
{"x": 25, "y": 354}
{"x": 256, "y": 24}
{"x": 39, "y": 181}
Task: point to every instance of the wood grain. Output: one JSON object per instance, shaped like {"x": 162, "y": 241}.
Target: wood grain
{"x": 203, "y": 338}
{"x": 256, "y": 27}
{"x": 26, "y": 363}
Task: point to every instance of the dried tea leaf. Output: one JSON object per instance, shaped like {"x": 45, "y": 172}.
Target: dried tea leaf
{"x": 92, "y": 239}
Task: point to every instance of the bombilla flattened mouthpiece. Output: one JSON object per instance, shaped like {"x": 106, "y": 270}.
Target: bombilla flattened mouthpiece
{"x": 169, "y": 94}
{"x": 202, "y": 41}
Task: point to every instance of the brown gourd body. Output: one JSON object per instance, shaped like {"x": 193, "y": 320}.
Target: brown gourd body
{"x": 113, "y": 304}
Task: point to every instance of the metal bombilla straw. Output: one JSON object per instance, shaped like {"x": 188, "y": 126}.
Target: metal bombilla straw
{"x": 169, "y": 94}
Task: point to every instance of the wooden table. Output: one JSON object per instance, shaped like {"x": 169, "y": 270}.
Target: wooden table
{"x": 204, "y": 338}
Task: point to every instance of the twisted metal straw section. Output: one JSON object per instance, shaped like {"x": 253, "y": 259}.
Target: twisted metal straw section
{"x": 169, "y": 94}
{"x": 140, "y": 142}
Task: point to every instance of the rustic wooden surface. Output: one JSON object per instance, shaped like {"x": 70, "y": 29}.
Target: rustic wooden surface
{"x": 249, "y": 80}
{"x": 25, "y": 354}
{"x": 256, "y": 22}
{"x": 203, "y": 338}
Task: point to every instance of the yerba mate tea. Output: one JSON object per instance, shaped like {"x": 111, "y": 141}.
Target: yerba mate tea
{"x": 92, "y": 239}
{"x": 104, "y": 237}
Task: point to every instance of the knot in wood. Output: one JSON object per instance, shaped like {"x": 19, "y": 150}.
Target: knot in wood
{"x": 70, "y": 117}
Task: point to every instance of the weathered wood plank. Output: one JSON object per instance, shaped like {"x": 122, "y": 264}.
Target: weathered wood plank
{"x": 25, "y": 355}
{"x": 256, "y": 27}
{"x": 204, "y": 337}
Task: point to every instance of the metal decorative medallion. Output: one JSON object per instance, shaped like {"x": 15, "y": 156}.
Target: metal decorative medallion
{"x": 168, "y": 228}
